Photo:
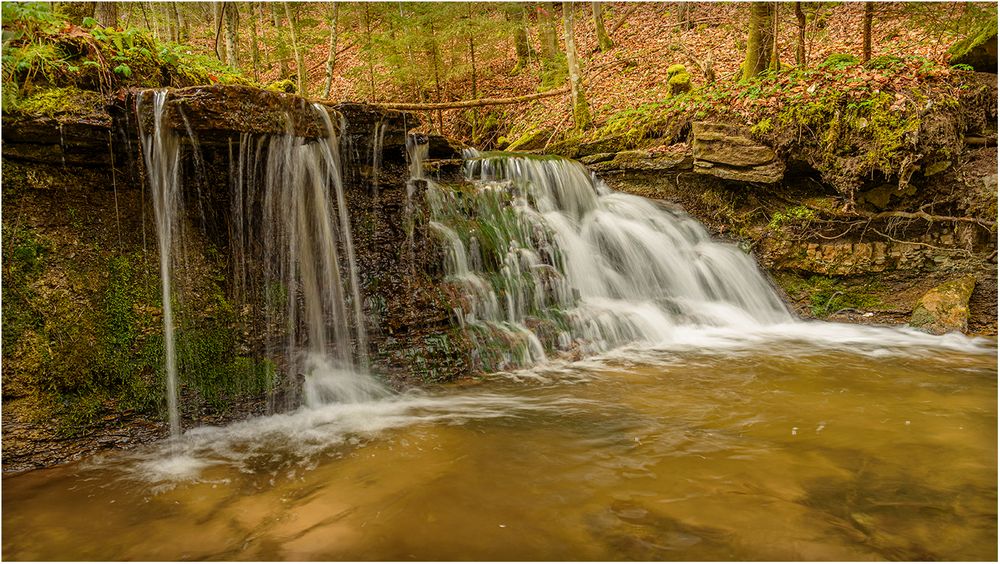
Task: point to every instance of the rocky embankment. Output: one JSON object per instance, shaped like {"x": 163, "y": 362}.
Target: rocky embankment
{"x": 902, "y": 242}
{"x": 82, "y": 315}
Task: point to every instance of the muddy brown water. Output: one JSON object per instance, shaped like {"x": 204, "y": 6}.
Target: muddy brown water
{"x": 747, "y": 452}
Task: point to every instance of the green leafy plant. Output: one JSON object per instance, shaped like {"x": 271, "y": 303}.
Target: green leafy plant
{"x": 797, "y": 213}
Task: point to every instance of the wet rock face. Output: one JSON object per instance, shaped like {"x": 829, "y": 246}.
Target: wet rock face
{"x": 945, "y": 308}
{"x": 728, "y": 152}
{"x": 74, "y": 194}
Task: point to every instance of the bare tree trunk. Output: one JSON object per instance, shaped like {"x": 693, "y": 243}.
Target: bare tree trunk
{"x": 371, "y": 63}
{"x": 331, "y": 56}
{"x": 175, "y": 17}
{"x": 106, "y": 14}
{"x": 866, "y": 52}
{"x": 759, "y": 39}
{"x": 433, "y": 51}
{"x": 800, "y": 47}
{"x": 604, "y": 42}
{"x": 280, "y": 46}
{"x": 581, "y": 112}
{"x": 472, "y": 61}
{"x": 232, "y": 41}
{"x": 684, "y": 10}
{"x": 547, "y": 32}
{"x": 521, "y": 46}
{"x": 775, "y": 57}
{"x": 217, "y": 26}
{"x": 300, "y": 70}
{"x": 254, "y": 41}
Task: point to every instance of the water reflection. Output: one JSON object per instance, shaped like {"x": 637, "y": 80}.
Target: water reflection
{"x": 777, "y": 454}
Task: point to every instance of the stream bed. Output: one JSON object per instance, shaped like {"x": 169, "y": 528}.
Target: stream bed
{"x": 808, "y": 441}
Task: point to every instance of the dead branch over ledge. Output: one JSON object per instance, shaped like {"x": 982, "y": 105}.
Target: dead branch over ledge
{"x": 471, "y": 103}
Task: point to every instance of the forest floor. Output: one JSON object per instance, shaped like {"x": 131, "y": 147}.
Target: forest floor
{"x": 648, "y": 41}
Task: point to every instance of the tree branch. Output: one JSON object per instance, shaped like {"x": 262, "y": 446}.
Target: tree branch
{"x": 624, "y": 17}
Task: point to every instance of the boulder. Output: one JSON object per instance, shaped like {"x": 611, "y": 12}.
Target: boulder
{"x": 945, "y": 308}
{"x": 726, "y": 144}
{"x": 978, "y": 51}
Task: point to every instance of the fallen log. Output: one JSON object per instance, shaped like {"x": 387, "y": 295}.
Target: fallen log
{"x": 470, "y": 103}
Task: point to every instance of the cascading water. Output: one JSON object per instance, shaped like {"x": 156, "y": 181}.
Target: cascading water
{"x": 417, "y": 150}
{"x": 292, "y": 251}
{"x": 303, "y": 235}
{"x": 162, "y": 155}
{"x": 549, "y": 258}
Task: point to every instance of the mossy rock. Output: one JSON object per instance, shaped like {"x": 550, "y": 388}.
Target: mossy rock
{"x": 63, "y": 104}
{"x": 532, "y": 139}
{"x": 884, "y": 62}
{"x": 679, "y": 83}
{"x": 286, "y": 85}
{"x": 978, "y": 50}
{"x": 945, "y": 308}
{"x": 839, "y": 61}
{"x": 674, "y": 70}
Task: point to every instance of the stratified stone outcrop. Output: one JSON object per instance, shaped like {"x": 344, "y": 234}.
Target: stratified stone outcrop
{"x": 727, "y": 151}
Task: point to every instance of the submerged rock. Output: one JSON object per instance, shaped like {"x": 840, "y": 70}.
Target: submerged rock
{"x": 945, "y": 308}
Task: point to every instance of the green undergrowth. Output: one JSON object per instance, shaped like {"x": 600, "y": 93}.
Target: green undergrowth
{"x": 850, "y": 121}
{"x": 89, "y": 356}
{"x": 827, "y": 295}
{"x": 43, "y": 51}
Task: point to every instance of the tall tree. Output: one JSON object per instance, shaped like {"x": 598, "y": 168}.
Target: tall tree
{"x": 232, "y": 41}
{"x": 175, "y": 15}
{"x": 216, "y": 26}
{"x": 800, "y": 46}
{"x": 759, "y": 39}
{"x": 370, "y": 49}
{"x": 866, "y": 50}
{"x": 775, "y": 64}
{"x": 434, "y": 52}
{"x": 521, "y": 46}
{"x": 684, "y": 10}
{"x": 280, "y": 45}
{"x": 331, "y": 55}
{"x": 581, "y": 112}
{"x": 106, "y": 14}
{"x": 604, "y": 42}
{"x": 549, "y": 44}
{"x": 300, "y": 70}
{"x": 254, "y": 41}
{"x": 472, "y": 60}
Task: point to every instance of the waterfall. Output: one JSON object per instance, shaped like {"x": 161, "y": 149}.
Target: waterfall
{"x": 291, "y": 251}
{"x": 417, "y": 150}
{"x": 310, "y": 277}
{"x": 551, "y": 260}
{"x": 161, "y": 151}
